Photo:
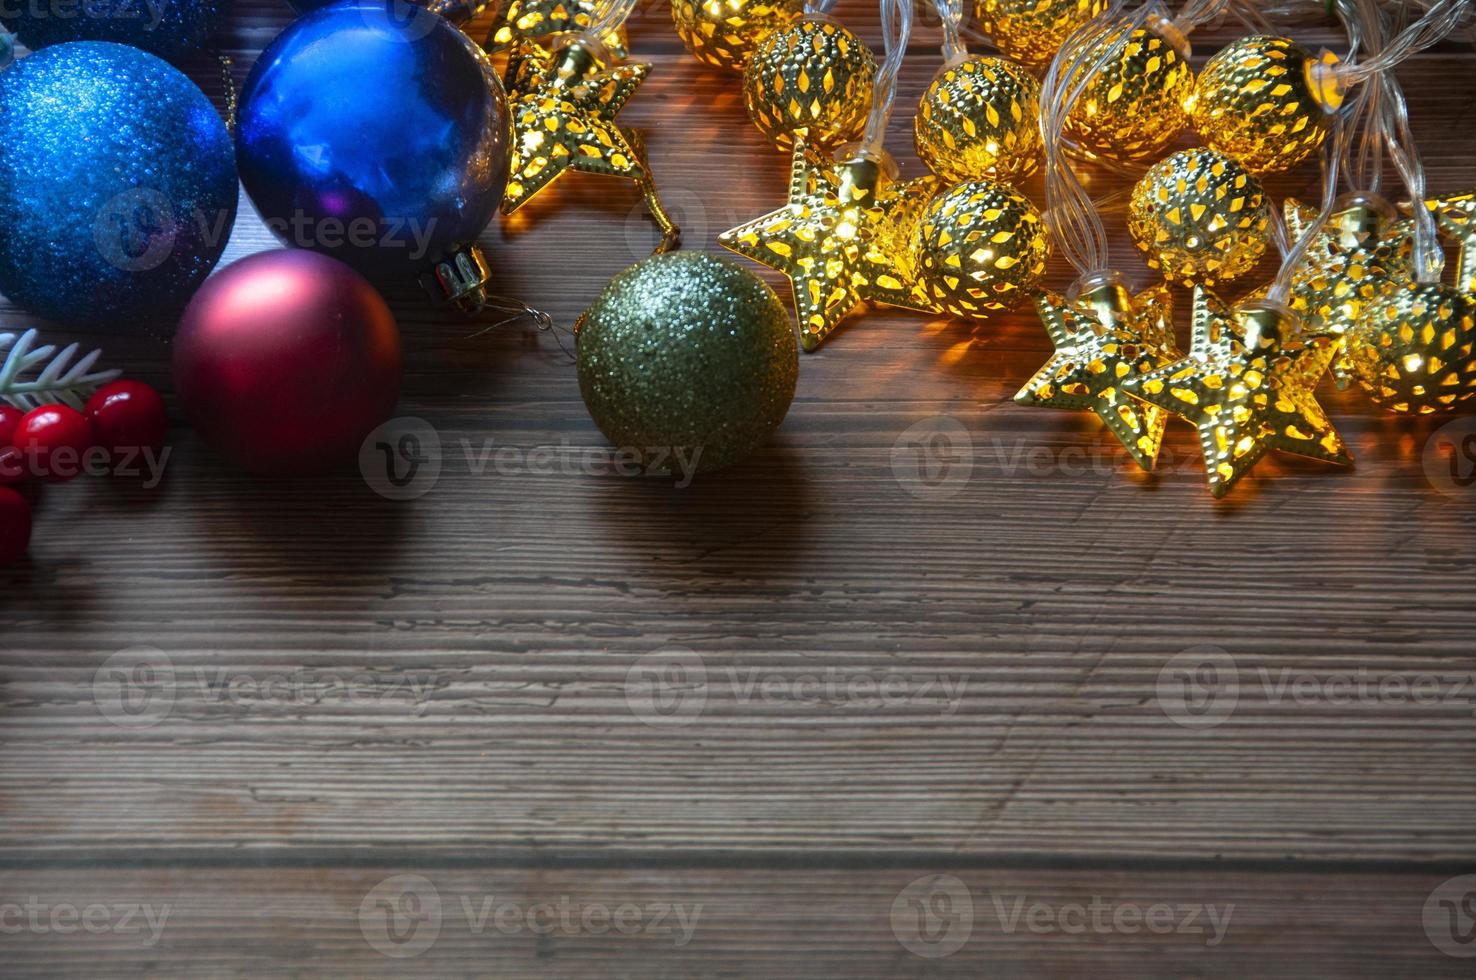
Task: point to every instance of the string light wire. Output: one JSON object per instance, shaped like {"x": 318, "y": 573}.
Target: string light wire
{"x": 896, "y": 25}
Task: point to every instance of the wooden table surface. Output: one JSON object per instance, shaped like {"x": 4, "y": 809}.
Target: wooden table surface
{"x": 846, "y": 710}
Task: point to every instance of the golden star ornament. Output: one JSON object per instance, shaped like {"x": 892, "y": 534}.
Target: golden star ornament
{"x": 844, "y": 238}
{"x": 564, "y": 103}
{"x": 1248, "y": 385}
{"x": 1361, "y": 250}
{"x": 1103, "y": 338}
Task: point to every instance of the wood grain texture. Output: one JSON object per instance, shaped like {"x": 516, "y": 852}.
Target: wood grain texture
{"x": 519, "y": 922}
{"x": 889, "y": 671}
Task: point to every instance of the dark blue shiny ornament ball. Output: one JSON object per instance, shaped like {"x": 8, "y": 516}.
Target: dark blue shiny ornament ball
{"x": 167, "y": 28}
{"x": 456, "y": 11}
{"x": 376, "y": 133}
{"x": 117, "y": 185}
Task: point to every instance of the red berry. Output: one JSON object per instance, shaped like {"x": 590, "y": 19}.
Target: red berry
{"x": 10, "y": 417}
{"x": 52, "y": 439}
{"x": 15, "y": 526}
{"x": 12, "y": 465}
{"x": 127, "y": 418}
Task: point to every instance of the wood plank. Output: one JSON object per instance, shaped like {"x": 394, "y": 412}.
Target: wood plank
{"x": 460, "y": 686}
{"x": 539, "y": 922}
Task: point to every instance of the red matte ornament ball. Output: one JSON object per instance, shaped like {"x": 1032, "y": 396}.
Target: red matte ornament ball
{"x": 286, "y": 361}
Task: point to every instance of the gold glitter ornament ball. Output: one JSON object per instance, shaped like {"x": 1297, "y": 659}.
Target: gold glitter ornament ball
{"x": 1199, "y": 217}
{"x": 725, "y": 32}
{"x": 1254, "y": 103}
{"x": 979, "y": 120}
{"x": 1032, "y": 31}
{"x": 811, "y": 80}
{"x": 981, "y": 247}
{"x": 1413, "y": 350}
{"x": 544, "y": 21}
{"x": 1132, "y": 108}
{"x": 687, "y": 361}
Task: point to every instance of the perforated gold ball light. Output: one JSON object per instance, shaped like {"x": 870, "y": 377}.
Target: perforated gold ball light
{"x": 544, "y": 21}
{"x": 1199, "y": 217}
{"x": 978, "y": 120}
{"x": 811, "y": 81}
{"x": 1032, "y": 31}
{"x": 1412, "y": 352}
{"x": 1254, "y": 103}
{"x": 725, "y": 32}
{"x": 982, "y": 247}
{"x": 1132, "y": 108}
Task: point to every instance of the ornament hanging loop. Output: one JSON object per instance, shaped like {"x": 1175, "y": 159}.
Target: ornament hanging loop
{"x": 671, "y": 232}
{"x": 513, "y": 310}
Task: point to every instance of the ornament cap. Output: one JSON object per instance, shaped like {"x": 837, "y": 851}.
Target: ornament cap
{"x": 1109, "y": 300}
{"x": 1266, "y": 323}
{"x": 1325, "y": 80}
{"x": 1359, "y": 217}
{"x": 1170, "y": 32}
{"x": 1094, "y": 282}
{"x": 579, "y": 56}
{"x": 871, "y": 166}
{"x": 459, "y": 280}
{"x": 1365, "y": 205}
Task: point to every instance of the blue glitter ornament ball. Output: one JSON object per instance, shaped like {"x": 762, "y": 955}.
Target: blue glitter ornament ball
{"x": 117, "y": 185}
{"x": 376, "y": 134}
{"x": 167, "y": 28}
